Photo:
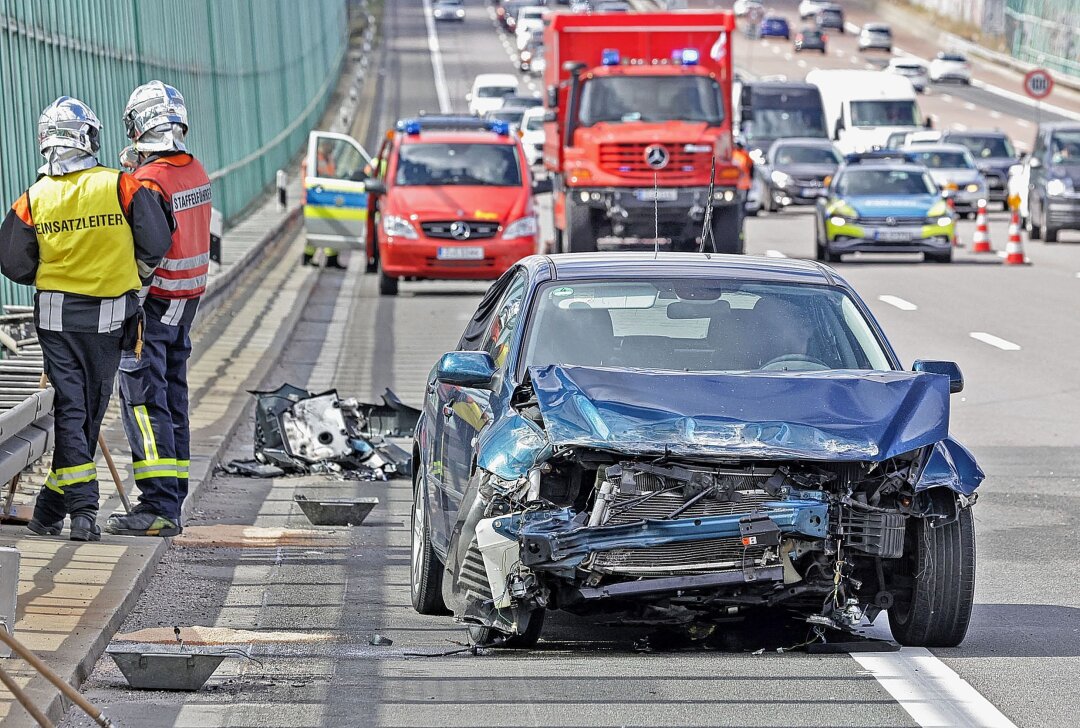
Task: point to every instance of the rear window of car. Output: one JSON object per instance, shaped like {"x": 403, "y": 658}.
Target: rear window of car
{"x": 458, "y": 163}
{"x": 952, "y": 57}
{"x": 701, "y": 325}
{"x": 495, "y": 92}
{"x": 983, "y": 147}
{"x": 944, "y": 160}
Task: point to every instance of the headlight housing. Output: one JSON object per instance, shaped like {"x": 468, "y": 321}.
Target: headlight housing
{"x": 1055, "y": 187}
{"x": 523, "y": 228}
{"x": 780, "y": 179}
{"x": 938, "y": 209}
{"x": 399, "y": 227}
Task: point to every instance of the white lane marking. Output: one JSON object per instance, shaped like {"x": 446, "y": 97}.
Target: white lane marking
{"x": 778, "y": 254}
{"x": 854, "y": 61}
{"x": 929, "y": 690}
{"x": 1078, "y": 275}
{"x": 969, "y": 106}
{"x": 1002, "y": 254}
{"x": 776, "y": 50}
{"x": 959, "y": 127}
{"x": 442, "y": 91}
{"x": 898, "y": 302}
{"x": 994, "y": 341}
{"x": 946, "y": 97}
{"x": 800, "y": 63}
{"x": 839, "y": 53}
{"x": 788, "y": 56}
{"x": 1023, "y": 122}
{"x": 995, "y": 114}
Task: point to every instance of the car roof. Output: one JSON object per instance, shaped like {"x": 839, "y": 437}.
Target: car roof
{"x": 883, "y": 164}
{"x": 802, "y": 142}
{"x": 445, "y": 136}
{"x": 927, "y": 147}
{"x": 642, "y": 264}
{"x": 496, "y": 79}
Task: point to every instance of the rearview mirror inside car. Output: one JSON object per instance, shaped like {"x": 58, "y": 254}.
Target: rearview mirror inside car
{"x": 473, "y": 369}
{"x": 948, "y": 368}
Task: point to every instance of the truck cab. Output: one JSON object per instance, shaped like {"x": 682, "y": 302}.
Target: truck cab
{"x": 638, "y": 124}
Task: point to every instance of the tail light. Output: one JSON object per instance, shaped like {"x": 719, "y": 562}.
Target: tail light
{"x": 824, "y": 38}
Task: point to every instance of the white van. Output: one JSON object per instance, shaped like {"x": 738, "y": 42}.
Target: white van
{"x": 488, "y": 91}
{"x": 862, "y": 108}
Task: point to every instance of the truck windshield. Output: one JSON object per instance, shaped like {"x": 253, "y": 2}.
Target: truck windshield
{"x": 651, "y": 98}
{"x": 458, "y": 164}
{"x": 775, "y": 114}
{"x": 886, "y": 112}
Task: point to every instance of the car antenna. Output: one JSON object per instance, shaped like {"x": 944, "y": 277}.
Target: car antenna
{"x": 706, "y": 224}
{"x": 656, "y": 214}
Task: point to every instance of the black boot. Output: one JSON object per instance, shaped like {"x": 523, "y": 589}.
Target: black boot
{"x": 332, "y": 262}
{"x": 306, "y": 260}
{"x": 45, "y": 529}
{"x": 84, "y": 527}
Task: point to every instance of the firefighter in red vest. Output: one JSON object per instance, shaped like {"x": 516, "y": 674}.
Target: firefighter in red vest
{"x": 153, "y": 386}
{"x": 89, "y": 238}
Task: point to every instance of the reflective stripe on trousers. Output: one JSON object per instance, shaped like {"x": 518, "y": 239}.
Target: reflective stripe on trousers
{"x": 72, "y": 475}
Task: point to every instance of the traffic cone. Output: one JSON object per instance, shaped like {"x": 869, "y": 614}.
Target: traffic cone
{"x": 981, "y": 242}
{"x": 956, "y": 226}
{"x": 1014, "y": 250}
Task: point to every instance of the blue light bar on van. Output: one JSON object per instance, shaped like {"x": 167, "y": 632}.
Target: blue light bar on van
{"x": 610, "y": 57}
{"x": 686, "y": 56}
{"x": 448, "y": 122}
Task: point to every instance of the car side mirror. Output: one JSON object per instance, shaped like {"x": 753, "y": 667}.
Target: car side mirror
{"x": 374, "y": 186}
{"x": 948, "y": 368}
{"x": 542, "y": 186}
{"x": 474, "y": 369}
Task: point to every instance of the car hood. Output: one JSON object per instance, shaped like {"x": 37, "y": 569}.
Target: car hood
{"x": 807, "y": 170}
{"x": 906, "y": 206}
{"x": 468, "y": 202}
{"x": 840, "y": 415}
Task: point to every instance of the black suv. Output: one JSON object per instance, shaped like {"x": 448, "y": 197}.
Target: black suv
{"x": 1054, "y": 180}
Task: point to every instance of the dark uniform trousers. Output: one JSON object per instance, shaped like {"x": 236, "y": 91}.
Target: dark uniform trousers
{"x": 154, "y": 395}
{"x": 81, "y": 367}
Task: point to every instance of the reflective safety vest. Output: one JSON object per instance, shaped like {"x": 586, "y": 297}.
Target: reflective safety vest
{"x": 183, "y": 181}
{"x": 85, "y": 243}
{"x": 745, "y": 164}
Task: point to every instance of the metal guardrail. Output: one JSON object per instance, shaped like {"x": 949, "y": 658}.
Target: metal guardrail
{"x": 26, "y": 422}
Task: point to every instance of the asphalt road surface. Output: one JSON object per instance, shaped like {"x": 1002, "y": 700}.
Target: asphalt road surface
{"x": 316, "y": 602}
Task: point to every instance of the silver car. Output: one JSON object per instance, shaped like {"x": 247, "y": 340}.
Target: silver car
{"x": 954, "y": 170}
{"x": 913, "y": 70}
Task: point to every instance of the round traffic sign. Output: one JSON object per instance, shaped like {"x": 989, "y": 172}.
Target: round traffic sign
{"x": 1038, "y": 83}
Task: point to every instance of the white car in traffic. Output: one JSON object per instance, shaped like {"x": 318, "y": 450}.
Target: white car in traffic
{"x": 488, "y": 91}
{"x": 808, "y": 8}
{"x": 529, "y": 18}
{"x": 742, "y": 8}
{"x": 949, "y": 66}
{"x": 913, "y": 70}
{"x": 532, "y": 134}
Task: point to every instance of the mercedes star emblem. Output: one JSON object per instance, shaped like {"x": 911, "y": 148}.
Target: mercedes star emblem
{"x": 656, "y": 156}
{"x": 460, "y": 230}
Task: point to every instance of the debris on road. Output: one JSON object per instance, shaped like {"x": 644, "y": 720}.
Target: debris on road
{"x": 300, "y": 432}
{"x": 336, "y": 511}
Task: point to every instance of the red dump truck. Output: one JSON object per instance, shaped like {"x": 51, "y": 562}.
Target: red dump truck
{"x": 638, "y": 107}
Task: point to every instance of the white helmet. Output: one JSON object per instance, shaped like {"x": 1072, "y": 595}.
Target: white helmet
{"x": 152, "y": 106}
{"x": 68, "y": 122}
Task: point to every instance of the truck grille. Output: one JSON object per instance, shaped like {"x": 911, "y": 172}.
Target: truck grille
{"x": 478, "y": 230}
{"x": 897, "y": 220}
{"x": 694, "y": 557}
{"x": 628, "y": 160}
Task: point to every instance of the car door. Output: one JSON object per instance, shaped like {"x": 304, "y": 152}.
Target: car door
{"x": 464, "y": 411}
{"x": 335, "y": 197}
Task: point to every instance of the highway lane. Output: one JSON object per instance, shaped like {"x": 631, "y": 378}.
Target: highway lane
{"x": 1017, "y": 414}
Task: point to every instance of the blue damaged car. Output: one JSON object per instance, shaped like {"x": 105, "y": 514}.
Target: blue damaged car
{"x": 683, "y": 439}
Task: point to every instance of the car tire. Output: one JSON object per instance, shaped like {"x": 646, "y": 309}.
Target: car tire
{"x": 945, "y": 257}
{"x": 425, "y": 569}
{"x": 579, "y": 235}
{"x": 1050, "y": 234}
{"x": 1034, "y": 231}
{"x": 388, "y": 285}
{"x": 940, "y": 564}
{"x": 479, "y": 635}
{"x": 822, "y": 51}
{"x": 824, "y": 255}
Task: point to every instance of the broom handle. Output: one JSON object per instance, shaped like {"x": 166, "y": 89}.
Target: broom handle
{"x": 23, "y": 699}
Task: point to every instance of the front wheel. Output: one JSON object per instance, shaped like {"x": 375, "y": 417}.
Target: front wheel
{"x": 388, "y": 285}
{"x": 939, "y": 565}
{"x": 479, "y": 635}
{"x": 579, "y": 235}
{"x": 945, "y": 257}
{"x": 425, "y": 570}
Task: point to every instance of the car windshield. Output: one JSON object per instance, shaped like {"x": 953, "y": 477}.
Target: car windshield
{"x": 448, "y": 2}
{"x": 700, "y": 325}
{"x": 892, "y": 112}
{"x": 495, "y": 92}
{"x": 535, "y": 122}
{"x": 651, "y": 98}
{"x": 884, "y": 182}
{"x": 796, "y": 154}
{"x": 458, "y": 164}
{"x": 1065, "y": 147}
{"x": 983, "y": 147}
{"x": 935, "y": 159}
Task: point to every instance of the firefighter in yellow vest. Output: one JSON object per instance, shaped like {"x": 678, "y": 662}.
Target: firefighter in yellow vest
{"x": 88, "y": 237}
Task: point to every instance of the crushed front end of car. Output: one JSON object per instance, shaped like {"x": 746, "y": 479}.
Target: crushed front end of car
{"x": 679, "y": 498}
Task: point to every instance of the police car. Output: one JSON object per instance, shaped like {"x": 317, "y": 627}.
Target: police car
{"x": 883, "y": 202}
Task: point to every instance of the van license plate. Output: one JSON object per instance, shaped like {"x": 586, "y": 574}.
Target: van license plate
{"x": 667, "y": 195}
{"x": 460, "y": 253}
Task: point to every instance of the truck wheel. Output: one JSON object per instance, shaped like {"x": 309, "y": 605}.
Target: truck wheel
{"x": 388, "y": 285}
{"x": 579, "y": 235}
{"x": 425, "y": 570}
{"x": 939, "y": 565}
{"x": 727, "y": 230}
{"x": 486, "y": 635}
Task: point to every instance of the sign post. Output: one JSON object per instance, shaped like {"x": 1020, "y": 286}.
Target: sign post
{"x": 1038, "y": 83}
